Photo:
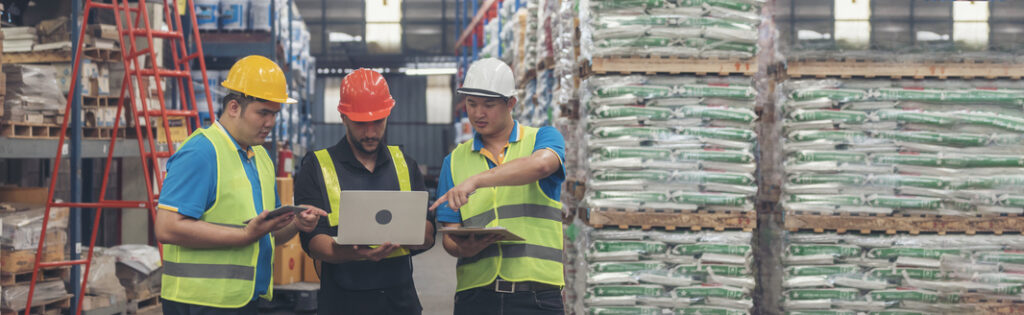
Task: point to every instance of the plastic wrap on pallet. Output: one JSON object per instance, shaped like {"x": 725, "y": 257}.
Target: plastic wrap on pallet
{"x": 15, "y": 297}
{"x": 670, "y": 142}
{"x": 871, "y": 273}
{"x": 662, "y": 272}
{"x": 875, "y": 146}
{"x": 683, "y": 28}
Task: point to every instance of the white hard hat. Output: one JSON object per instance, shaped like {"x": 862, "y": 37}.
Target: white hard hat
{"x": 488, "y": 77}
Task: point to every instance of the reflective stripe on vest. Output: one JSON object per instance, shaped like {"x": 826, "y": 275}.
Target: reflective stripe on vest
{"x": 333, "y": 185}
{"x": 223, "y": 277}
{"x": 524, "y": 210}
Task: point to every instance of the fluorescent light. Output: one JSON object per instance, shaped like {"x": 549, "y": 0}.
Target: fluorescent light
{"x": 431, "y": 71}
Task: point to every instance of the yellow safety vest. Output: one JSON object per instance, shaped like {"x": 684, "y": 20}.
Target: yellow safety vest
{"x": 333, "y": 185}
{"x": 222, "y": 277}
{"x": 524, "y": 210}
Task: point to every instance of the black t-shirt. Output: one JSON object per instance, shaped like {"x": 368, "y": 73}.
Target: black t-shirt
{"x": 352, "y": 175}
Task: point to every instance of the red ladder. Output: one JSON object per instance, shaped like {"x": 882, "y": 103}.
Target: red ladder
{"x": 136, "y": 78}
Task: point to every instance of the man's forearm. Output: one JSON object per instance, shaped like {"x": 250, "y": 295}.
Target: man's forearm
{"x": 428, "y": 238}
{"x": 520, "y": 171}
{"x": 284, "y": 235}
{"x": 322, "y": 247}
{"x": 173, "y": 228}
{"x": 449, "y": 244}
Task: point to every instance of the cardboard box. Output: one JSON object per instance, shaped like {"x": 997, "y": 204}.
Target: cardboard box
{"x": 286, "y": 190}
{"x": 25, "y": 195}
{"x": 21, "y": 229}
{"x": 20, "y": 261}
{"x": 288, "y": 262}
{"x": 310, "y": 270}
{"x": 179, "y": 131}
{"x": 104, "y": 31}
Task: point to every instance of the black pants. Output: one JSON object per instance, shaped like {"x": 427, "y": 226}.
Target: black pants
{"x": 175, "y": 308}
{"x": 486, "y": 301}
{"x": 399, "y": 300}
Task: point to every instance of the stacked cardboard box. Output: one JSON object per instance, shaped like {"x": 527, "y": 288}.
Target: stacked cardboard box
{"x": 32, "y": 94}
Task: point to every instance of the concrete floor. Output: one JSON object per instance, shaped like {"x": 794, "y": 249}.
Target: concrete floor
{"x": 434, "y": 274}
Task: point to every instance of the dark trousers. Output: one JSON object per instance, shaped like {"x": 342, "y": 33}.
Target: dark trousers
{"x": 175, "y": 308}
{"x": 399, "y": 300}
{"x": 486, "y": 301}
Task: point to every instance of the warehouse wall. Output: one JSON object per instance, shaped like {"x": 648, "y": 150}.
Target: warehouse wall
{"x": 408, "y": 127}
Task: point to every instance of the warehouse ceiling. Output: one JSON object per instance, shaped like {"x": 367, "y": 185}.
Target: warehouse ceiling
{"x": 338, "y": 30}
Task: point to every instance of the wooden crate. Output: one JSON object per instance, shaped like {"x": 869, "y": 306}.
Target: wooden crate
{"x": 672, "y": 65}
{"x": 144, "y": 304}
{"x": 54, "y": 306}
{"x": 671, "y": 219}
{"x": 54, "y": 273}
{"x": 913, "y": 224}
{"x": 12, "y": 129}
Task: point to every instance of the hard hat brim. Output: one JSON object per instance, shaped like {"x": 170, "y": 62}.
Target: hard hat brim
{"x": 480, "y": 92}
{"x": 369, "y": 116}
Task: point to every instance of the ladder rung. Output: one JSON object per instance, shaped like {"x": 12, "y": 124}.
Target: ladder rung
{"x": 192, "y": 56}
{"x": 172, "y": 112}
{"x": 161, "y": 34}
{"x": 166, "y": 73}
{"x": 138, "y": 53}
{"x": 63, "y": 263}
{"x": 104, "y": 204}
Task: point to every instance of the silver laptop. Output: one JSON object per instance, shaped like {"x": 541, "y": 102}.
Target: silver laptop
{"x": 373, "y": 217}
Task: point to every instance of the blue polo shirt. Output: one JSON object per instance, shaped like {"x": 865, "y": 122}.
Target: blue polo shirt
{"x": 190, "y": 188}
{"x": 548, "y": 138}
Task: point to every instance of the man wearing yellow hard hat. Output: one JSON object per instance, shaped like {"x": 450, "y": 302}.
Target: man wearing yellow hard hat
{"x": 221, "y": 178}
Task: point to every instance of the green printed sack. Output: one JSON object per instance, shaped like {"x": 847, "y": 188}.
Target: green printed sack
{"x": 990, "y": 182}
{"x": 910, "y": 181}
{"x": 845, "y": 179}
{"x": 945, "y": 139}
{"x": 708, "y": 199}
{"x": 653, "y": 113}
{"x": 734, "y": 5}
{"x": 845, "y": 200}
{"x": 823, "y": 249}
{"x": 992, "y": 120}
{"x": 635, "y": 42}
{"x": 822, "y": 270}
{"x": 845, "y": 116}
{"x": 710, "y": 291}
{"x": 715, "y": 156}
{"x": 648, "y": 196}
{"x": 627, "y": 266}
{"x": 931, "y": 253}
{"x": 1012, "y": 201}
{"x": 605, "y": 22}
{"x": 708, "y": 310}
{"x": 733, "y": 134}
{"x": 842, "y": 294}
{"x": 715, "y": 177}
{"x": 812, "y": 312}
{"x": 840, "y": 95}
{"x": 719, "y": 270}
{"x": 985, "y": 96}
{"x": 1001, "y": 257}
{"x": 718, "y": 113}
{"x": 724, "y": 249}
{"x": 716, "y": 44}
{"x": 734, "y": 92}
{"x": 644, "y": 91}
{"x": 972, "y": 161}
{"x": 636, "y": 152}
{"x": 907, "y": 159}
{"x": 915, "y": 117}
{"x": 649, "y": 175}
{"x": 899, "y": 202}
{"x": 896, "y": 274}
{"x": 834, "y": 135}
{"x": 626, "y": 4}
{"x": 624, "y": 310}
{"x": 836, "y": 156}
{"x": 640, "y": 132}
{"x": 907, "y": 295}
{"x": 917, "y": 95}
{"x": 650, "y": 247}
{"x": 626, "y": 290}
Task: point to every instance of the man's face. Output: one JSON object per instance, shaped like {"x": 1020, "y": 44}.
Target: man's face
{"x": 489, "y": 115}
{"x": 255, "y": 122}
{"x": 365, "y": 136}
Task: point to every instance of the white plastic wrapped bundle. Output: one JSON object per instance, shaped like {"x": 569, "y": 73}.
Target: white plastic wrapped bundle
{"x": 647, "y": 274}
{"x": 894, "y": 146}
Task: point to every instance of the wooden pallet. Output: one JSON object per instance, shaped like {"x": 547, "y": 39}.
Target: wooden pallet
{"x": 103, "y": 54}
{"x": 45, "y": 56}
{"x": 57, "y": 273}
{"x": 54, "y": 306}
{"x": 861, "y": 68}
{"x": 913, "y": 224}
{"x": 672, "y": 219}
{"x": 102, "y": 132}
{"x": 12, "y": 129}
{"x": 144, "y": 304}
{"x": 672, "y": 65}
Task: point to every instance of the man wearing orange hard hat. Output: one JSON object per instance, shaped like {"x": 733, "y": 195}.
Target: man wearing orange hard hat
{"x": 361, "y": 279}
{"x": 215, "y": 205}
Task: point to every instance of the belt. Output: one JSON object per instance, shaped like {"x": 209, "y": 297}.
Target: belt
{"x": 501, "y": 286}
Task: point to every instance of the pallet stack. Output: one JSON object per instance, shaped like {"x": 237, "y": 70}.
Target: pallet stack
{"x": 21, "y": 214}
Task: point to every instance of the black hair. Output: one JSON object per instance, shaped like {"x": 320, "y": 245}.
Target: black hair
{"x": 242, "y": 99}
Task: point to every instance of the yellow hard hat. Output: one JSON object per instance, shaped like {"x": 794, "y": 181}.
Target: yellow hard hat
{"x": 258, "y": 77}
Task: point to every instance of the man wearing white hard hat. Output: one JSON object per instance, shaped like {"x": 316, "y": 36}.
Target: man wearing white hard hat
{"x": 508, "y": 175}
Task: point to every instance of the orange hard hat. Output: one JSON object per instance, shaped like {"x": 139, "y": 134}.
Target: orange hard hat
{"x": 365, "y": 96}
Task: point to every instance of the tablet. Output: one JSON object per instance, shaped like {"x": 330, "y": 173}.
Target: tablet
{"x": 281, "y": 211}
{"x": 505, "y": 233}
